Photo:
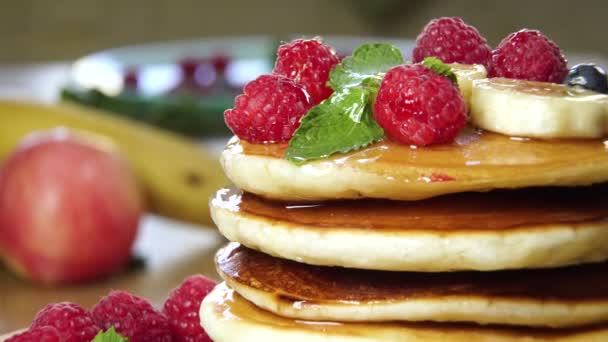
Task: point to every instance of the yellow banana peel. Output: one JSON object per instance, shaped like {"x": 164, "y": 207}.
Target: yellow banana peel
{"x": 177, "y": 175}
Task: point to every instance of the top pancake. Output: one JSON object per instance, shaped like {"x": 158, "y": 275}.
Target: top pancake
{"x": 475, "y": 161}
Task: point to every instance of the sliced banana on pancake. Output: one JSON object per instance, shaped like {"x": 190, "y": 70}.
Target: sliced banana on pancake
{"x": 227, "y": 317}
{"x": 529, "y": 228}
{"x": 538, "y": 109}
{"x": 465, "y": 75}
{"x": 559, "y": 297}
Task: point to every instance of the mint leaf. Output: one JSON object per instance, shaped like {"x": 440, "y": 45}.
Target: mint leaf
{"x": 368, "y": 60}
{"x": 109, "y": 335}
{"x": 440, "y": 68}
{"x": 342, "y": 123}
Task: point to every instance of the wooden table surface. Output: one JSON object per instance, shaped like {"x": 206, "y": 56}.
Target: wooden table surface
{"x": 170, "y": 250}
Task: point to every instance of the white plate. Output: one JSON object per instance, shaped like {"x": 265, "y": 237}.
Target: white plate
{"x": 251, "y": 57}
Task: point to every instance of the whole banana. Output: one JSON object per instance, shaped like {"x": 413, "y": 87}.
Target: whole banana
{"x": 176, "y": 174}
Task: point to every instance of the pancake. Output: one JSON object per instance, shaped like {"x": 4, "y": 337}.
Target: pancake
{"x": 562, "y": 297}
{"x": 476, "y": 161}
{"x": 529, "y": 228}
{"x": 226, "y": 316}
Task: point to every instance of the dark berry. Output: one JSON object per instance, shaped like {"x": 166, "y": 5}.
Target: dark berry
{"x": 182, "y": 309}
{"x": 308, "y": 63}
{"x": 189, "y": 65}
{"x": 220, "y": 62}
{"x": 131, "y": 78}
{"x": 269, "y": 110}
{"x": 415, "y": 106}
{"x": 589, "y": 76}
{"x": 528, "y": 55}
{"x": 132, "y": 317}
{"x": 452, "y": 41}
{"x": 72, "y": 321}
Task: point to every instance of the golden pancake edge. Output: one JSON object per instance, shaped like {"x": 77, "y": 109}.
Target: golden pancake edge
{"x": 226, "y": 316}
{"x": 475, "y": 161}
{"x": 529, "y": 228}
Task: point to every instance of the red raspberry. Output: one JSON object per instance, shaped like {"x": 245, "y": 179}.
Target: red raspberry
{"x": 528, "y": 55}
{"x": 132, "y": 317}
{"x": 415, "y": 106}
{"x": 72, "y": 321}
{"x": 452, "y": 41}
{"x": 269, "y": 110}
{"x": 42, "y": 334}
{"x": 308, "y": 63}
{"x": 182, "y": 307}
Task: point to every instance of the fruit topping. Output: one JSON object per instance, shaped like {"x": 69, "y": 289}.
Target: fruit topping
{"x": 182, "y": 309}
{"x": 538, "y": 109}
{"x": 73, "y": 322}
{"x": 307, "y": 62}
{"x": 132, "y": 317}
{"x": 528, "y": 55}
{"x": 465, "y": 75}
{"x": 269, "y": 110}
{"x": 42, "y": 334}
{"x": 417, "y": 106}
{"x": 345, "y": 121}
{"x": 356, "y": 101}
{"x": 452, "y": 41}
{"x": 589, "y": 76}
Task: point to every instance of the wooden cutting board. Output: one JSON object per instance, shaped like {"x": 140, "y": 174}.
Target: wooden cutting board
{"x": 169, "y": 251}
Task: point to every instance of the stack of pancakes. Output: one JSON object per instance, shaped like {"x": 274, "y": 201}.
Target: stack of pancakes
{"x": 489, "y": 238}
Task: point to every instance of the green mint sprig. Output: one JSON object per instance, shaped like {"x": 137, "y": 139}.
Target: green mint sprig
{"x": 367, "y": 61}
{"x": 344, "y": 122}
{"x": 440, "y": 68}
{"x": 109, "y": 335}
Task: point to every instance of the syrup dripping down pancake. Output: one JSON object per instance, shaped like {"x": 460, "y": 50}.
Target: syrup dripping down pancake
{"x": 560, "y": 297}
{"x": 476, "y": 161}
{"x": 226, "y": 316}
{"x": 528, "y": 228}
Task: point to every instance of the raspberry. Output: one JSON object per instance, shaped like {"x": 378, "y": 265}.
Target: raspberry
{"x": 269, "y": 110}
{"x": 415, "y": 106}
{"x": 132, "y": 317}
{"x": 72, "y": 321}
{"x": 528, "y": 55}
{"x": 308, "y": 63}
{"x": 182, "y": 307}
{"x": 42, "y": 334}
{"x": 452, "y": 41}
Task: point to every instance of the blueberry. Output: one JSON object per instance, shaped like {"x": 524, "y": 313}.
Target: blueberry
{"x": 589, "y": 76}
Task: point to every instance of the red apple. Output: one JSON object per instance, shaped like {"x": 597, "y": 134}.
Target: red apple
{"x": 69, "y": 208}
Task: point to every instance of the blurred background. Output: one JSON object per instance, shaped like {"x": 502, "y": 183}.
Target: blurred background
{"x": 40, "y": 30}
{"x": 183, "y": 87}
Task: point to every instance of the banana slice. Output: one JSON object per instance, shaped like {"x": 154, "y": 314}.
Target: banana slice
{"x": 538, "y": 109}
{"x": 466, "y": 74}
